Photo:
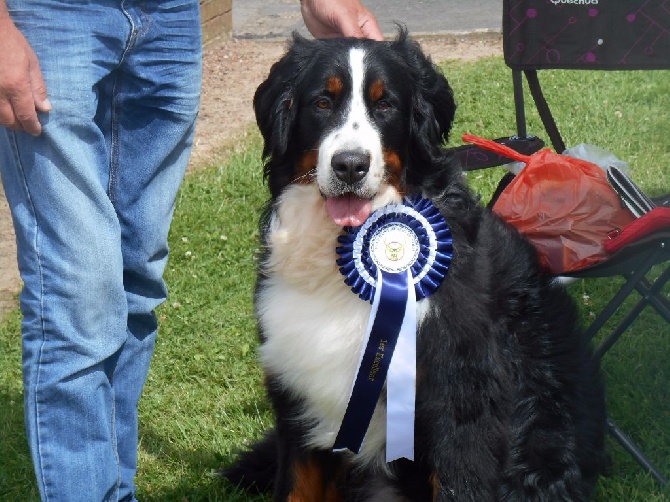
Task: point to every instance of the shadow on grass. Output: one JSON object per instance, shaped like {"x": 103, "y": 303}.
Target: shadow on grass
{"x": 195, "y": 482}
{"x": 194, "y": 471}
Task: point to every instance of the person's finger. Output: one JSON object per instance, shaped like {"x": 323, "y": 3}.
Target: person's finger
{"x": 314, "y": 26}
{"x": 347, "y": 26}
{"x": 26, "y": 116}
{"x": 370, "y": 27}
{"x": 361, "y": 25}
{"x": 7, "y": 117}
{"x": 39, "y": 88}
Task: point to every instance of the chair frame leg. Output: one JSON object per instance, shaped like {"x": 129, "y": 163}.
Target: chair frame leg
{"x": 635, "y": 452}
{"x": 621, "y": 295}
{"x": 648, "y": 292}
{"x": 648, "y": 299}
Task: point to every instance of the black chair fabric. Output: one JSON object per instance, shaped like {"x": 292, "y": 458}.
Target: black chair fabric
{"x": 586, "y": 34}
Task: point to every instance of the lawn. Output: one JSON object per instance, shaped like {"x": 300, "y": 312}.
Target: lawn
{"x": 204, "y": 397}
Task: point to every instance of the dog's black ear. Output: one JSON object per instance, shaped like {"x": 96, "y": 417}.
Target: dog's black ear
{"x": 433, "y": 106}
{"x": 274, "y": 101}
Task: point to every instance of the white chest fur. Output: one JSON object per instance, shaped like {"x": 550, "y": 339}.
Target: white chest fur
{"x": 314, "y": 325}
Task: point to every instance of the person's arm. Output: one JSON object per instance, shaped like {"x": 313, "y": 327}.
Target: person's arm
{"x": 22, "y": 89}
{"x": 339, "y": 18}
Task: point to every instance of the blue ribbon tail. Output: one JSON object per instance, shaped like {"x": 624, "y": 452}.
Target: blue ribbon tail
{"x": 373, "y": 368}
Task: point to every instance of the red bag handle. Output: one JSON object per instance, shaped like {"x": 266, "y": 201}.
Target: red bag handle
{"x": 494, "y": 147}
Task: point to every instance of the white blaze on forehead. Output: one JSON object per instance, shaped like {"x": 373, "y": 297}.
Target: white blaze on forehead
{"x": 357, "y": 111}
{"x": 357, "y": 132}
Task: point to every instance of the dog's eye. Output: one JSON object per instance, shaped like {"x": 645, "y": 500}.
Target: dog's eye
{"x": 323, "y": 104}
{"x": 382, "y": 105}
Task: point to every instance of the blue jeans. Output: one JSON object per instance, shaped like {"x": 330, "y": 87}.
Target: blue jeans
{"x": 92, "y": 199}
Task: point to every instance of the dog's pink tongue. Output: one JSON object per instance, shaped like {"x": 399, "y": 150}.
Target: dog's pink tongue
{"x": 348, "y": 210}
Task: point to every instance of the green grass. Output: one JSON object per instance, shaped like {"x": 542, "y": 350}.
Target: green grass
{"x": 204, "y": 398}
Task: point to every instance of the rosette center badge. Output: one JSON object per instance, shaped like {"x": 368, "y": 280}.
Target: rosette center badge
{"x": 412, "y": 236}
{"x": 394, "y": 248}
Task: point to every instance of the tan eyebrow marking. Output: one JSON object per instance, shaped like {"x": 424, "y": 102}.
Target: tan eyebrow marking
{"x": 376, "y": 90}
{"x": 334, "y": 86}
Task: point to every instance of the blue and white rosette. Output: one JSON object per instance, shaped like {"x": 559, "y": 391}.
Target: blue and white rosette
{"x": 400, "y": 255}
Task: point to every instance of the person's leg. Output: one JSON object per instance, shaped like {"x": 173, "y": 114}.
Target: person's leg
{"x": 156, "y": 96}
{"x": 69, "y": 250}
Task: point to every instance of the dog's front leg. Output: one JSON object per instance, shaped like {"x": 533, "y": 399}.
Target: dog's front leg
{"x": 466, "y": 472}
{"x": 461, "y": 433}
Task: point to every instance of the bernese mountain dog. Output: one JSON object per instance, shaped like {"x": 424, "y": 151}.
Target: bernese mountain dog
{"x": 509, "y": 401}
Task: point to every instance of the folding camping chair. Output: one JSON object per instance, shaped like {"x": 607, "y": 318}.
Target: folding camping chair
{"x": 615, "y": 35}
{"x": 612, "y": 35}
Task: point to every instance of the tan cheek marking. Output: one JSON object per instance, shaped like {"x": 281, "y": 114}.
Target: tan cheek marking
{"x": 394, "y": 169}
{"x": 305, "y": 168}
{"x": 334, "y": 86}
{"x": 376, "y": 91}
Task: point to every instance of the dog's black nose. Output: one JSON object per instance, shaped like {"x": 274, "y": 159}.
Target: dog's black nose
{"x": 351, "y": 166}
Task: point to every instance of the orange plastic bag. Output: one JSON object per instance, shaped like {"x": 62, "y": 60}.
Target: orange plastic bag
{"x": 564, "y": 206}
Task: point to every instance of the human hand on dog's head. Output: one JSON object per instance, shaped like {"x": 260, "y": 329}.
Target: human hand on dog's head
{"x": 340, "y": 18}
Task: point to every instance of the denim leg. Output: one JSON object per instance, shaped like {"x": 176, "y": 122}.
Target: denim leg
{"x": 69, "y": 253}
{"x": 153, "y": 125}
{"x": 73, "y": 310}
{"x": 91, "y": 200}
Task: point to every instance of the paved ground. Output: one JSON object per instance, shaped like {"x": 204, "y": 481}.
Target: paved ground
{"x": 278, "y": 18}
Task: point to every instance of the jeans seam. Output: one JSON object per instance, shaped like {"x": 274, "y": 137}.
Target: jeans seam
{"x": 36, "y": 384}
{"x": 113, "y": 167}
{"x": 114, "y": 143}
{"x": 114, "y": 135}
{"x": 115, "y": 495}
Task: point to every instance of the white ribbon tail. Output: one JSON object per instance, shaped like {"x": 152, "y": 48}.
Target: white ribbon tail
{"x": 401, "y": 386}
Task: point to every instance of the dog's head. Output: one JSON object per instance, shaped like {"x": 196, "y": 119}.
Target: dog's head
{"x": 355, "y": 117}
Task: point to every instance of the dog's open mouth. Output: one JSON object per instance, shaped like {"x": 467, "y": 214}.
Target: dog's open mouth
{"x": 348, "y": 210}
